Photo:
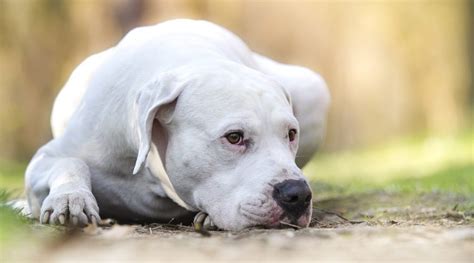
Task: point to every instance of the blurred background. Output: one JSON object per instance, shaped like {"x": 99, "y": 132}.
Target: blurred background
{"x": 399, "y": 146}
{"x": 395, "y": 69}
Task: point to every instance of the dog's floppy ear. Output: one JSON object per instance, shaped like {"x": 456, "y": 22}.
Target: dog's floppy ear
{"x": 159, "y": 92}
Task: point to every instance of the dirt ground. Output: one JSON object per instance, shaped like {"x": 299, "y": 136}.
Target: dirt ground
{"x": 412, "y": 230}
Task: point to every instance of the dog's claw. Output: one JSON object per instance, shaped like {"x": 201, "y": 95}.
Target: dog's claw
{"x": 203, "y": 223}
{"x": 199, "y": 221}
{"x": 93, "y": 220}
{"x": 45, "y": 217}
{"x": 208, "y": 224}
{"x": 62, "y": 219}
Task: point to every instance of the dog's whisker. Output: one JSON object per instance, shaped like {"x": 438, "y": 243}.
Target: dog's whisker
{"x": 290, "y": 225}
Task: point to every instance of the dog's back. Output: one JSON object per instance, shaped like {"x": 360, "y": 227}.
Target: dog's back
{"x": 73, "y": 91}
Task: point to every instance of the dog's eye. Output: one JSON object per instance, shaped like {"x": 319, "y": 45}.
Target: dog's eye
{"x": 235, "y": 137}
{"x": 292, "y": 134}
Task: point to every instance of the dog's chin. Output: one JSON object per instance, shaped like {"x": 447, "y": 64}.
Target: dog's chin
{"x": 270, "y": 215}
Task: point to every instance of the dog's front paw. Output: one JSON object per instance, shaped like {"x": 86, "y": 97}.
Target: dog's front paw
{"x": 76, "y": 207}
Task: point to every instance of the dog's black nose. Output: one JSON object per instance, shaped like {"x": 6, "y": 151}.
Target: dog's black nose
{"x": 294, "y": 196}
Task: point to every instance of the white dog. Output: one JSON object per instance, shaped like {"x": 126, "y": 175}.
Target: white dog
{"x": 177, "y": 118}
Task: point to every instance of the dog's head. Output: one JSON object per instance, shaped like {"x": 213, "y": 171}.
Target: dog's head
{"x": 227, "y": 138}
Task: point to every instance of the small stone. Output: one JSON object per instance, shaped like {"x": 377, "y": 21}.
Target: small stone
{"x": 290, "y": 234}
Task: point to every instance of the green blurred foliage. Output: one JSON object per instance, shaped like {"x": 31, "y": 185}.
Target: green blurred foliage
{"x": 11, "y": 177}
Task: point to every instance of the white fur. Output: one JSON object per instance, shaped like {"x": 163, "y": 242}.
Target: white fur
{"x": 168, "y": 94}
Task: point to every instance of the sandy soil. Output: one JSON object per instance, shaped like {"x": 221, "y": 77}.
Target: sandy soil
{"x": 430, "y": 235}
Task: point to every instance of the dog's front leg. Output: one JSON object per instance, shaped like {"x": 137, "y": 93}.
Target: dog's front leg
{"x": 59, "y": 190}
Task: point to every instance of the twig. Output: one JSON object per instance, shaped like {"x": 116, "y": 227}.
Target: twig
{"x": 338, "y": 215}
{"x": 290, "y": 225}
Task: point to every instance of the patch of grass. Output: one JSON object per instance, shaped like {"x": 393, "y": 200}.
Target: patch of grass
{"x": 454, "y": 179}
{"x": 13, "y": 225}
{"x": 20, "y": 234}
{"x": 12, "y": 222}
{"x": 416, "y": 165}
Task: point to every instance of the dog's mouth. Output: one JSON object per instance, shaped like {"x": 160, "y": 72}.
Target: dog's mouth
{"x": 299, "y": 222}
{"x": 203, "y": 223}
